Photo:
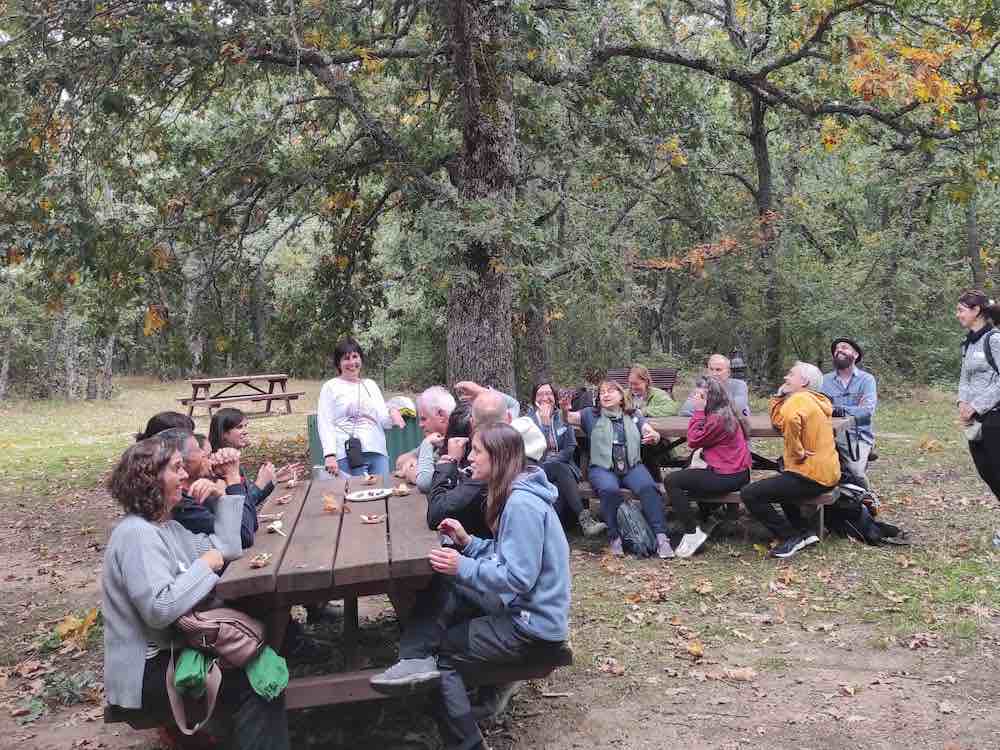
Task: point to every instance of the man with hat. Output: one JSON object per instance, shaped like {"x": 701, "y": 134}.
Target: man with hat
{"x": 853, "y": 394}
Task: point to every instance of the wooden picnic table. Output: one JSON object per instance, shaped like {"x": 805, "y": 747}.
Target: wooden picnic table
{"x": 252, "y": 391}
{"x": 327, "y": 556}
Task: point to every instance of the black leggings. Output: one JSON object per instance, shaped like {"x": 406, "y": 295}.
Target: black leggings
{"x": 689, "y": 484}
{"x": 258, "y": 724}
{"x": 787, "y": 488}
{"x": 561, "y": 475}
{"x": 986, "y": 452}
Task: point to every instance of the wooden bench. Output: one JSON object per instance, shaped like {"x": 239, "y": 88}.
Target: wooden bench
{"x": 216, "y": 402}
{"x": 664, "y": 378}
{"x": 351, "y": 687}
{"x": 733, "y": 498}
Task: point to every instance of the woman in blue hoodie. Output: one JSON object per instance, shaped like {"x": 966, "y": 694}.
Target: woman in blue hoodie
{"x": 494, "y": 601}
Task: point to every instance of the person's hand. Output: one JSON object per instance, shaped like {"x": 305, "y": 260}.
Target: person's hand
{"x": 331, "y": 465}
{"x": 203, "y": 489}
{"x": 265, "y": 475}
{"x": 436, "y": 439}
{"x": 805, "y": 454}
{"x": 456, "y": 447}
{"x": 288, "y": 472}
{"x": 698, "y": 400}
{"x": 397, "y": 418}
{"x": 455, "y": 531}
{"x": 838, "y": 411}
{"x": 545, "y": 413}
{"x": 965, "y": 412}
{"x": 468, "y": 389}
{"x": 214, "y": 559}
{"x": 565, "y": 401}
{"x": 224, "y": 456}
{"x": 649, "y": 435}
{"x": 445, "y": 560}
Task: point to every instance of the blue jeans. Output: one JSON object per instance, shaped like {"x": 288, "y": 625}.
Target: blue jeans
{"x": 375, "y": 463}
{"x": 608, "y": 487}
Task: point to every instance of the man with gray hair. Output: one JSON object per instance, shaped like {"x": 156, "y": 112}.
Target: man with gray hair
{"x": 490, "y": 407}
{"x": 718, "y": 367}
{"x": 801, "y": 413}
{"x": 434, "y": 407}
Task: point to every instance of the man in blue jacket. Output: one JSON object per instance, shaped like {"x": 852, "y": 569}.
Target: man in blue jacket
{"x": 853, "y": 394}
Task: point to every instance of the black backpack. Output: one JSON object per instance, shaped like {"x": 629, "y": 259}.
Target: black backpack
{"x": 637, "y": 537}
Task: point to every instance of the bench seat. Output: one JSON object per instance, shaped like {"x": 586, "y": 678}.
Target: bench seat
{"x": 349, "y": 687}
{"x": 219, "y": 400}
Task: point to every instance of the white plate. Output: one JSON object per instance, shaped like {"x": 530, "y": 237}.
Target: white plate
{"x": 376, "y": 493}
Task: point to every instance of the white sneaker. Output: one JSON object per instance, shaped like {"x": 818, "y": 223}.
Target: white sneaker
{"x": 663, "y": 548}
{"x": 408, "y": 676}
{"x": 690, "y": 543}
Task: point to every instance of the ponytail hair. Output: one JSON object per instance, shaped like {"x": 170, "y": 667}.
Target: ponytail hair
{"x": 988, "y": 308}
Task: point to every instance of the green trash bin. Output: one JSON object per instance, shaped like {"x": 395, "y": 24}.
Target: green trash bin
{"x": 397, "y": 441}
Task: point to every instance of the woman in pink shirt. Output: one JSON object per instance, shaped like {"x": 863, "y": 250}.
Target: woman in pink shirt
{"x": 721, "y": 432}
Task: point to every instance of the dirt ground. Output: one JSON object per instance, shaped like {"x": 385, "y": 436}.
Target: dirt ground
{"x": 844, "y": 646}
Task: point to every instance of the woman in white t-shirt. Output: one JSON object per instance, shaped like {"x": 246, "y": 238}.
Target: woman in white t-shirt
{"x": 352, "y": 407}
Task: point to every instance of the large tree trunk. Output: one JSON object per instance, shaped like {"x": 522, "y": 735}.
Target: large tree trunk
{"x": 258, "y": 318}
{"x": 536, "y": 334}
{"x": 769, "y": 242}
{"x": 107, "y": 368}
{"x": 480, "y": 340}
{"x": 972, "y": 243}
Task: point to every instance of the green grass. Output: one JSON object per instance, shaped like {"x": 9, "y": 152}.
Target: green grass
{"x": 54, "y": 446}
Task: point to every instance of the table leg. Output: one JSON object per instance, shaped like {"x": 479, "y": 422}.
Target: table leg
{"x": 403, "y": 602}
{"x": 352, "y": 659}
{"x": 270, "y": 391}
{"x": 277, "y": 624}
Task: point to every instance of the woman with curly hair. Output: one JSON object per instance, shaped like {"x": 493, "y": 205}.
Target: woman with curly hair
{"x": 154, "y": 571}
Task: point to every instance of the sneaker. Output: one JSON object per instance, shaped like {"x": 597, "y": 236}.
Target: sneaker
{"x": 590, "y": 525}
{"x": 408, "y": 676}
{"x": 616, "y": 548}
{"x": 793, "y": 545}
{"x": 663, "y": 548}
{"x": 690, "y": 543}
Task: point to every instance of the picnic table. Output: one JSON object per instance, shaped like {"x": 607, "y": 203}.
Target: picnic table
{"x": 252, "y": 391}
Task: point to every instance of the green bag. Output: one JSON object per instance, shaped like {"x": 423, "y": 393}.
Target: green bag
{"x": 267, "y": 673}
{"x": 190, "y": 672}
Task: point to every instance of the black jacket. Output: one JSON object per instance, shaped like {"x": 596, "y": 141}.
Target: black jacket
{"x": 454, "y": 495}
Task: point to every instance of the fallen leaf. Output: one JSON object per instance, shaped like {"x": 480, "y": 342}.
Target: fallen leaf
{"x": 741, "y": 674}
{"x": 696, "y": 648}
{"x": 848, "y": 690}
{"x": 704, "y": 587}
{"x": 947, "y": 679}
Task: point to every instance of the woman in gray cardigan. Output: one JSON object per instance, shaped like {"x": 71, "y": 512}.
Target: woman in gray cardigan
{"x": 155, "y": 570}
{"x": 979, "y": 385}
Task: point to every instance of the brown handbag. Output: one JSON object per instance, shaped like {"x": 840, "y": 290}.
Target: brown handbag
{"x": 233, "y": 637}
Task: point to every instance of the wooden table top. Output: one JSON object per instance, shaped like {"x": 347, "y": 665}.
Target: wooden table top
{"x": 326, "y": 554}
{"x": 238, "y": 379}
{"x": 760, "y": 426}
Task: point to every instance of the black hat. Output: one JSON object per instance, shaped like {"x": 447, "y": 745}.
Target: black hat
{"x": 854, "y": 345}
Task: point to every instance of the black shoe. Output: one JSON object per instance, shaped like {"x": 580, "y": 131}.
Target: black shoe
{"x": 791, "y": 547}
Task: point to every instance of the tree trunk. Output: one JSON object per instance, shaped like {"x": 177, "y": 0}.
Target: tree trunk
{"x": 89, "y": 357}
{"x": 535, "y": 351}
{"x": 107, "y": 368}
{"x": 8, "y": 349}
{"x": 479, "y": 316}
{"x": 972, "y": 243}
{"x": 258, "y": 318}
{"x": 774, "y": 357}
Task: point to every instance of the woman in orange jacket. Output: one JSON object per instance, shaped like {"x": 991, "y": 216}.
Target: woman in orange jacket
{"x": 802, "y": 414}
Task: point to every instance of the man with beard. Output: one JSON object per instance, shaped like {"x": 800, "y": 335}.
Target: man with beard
{"x": 853, "y": 394}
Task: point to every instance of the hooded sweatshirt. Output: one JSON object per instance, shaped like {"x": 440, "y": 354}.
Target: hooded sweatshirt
{"x": 527, "y": 565}
{"x": 804, "y": 419}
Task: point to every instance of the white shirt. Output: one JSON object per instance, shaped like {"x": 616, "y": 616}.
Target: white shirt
{"x": 347, "y": 408}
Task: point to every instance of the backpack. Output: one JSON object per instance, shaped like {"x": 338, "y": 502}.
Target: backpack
{"x": 853, "y": 512}
{"x": 637, "y": 537}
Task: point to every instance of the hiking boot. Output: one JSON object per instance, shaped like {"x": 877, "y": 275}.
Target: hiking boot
{"x": 408, "y": 676}
{"x": 615, "y": 547}
{"x": 691, "y": 542}
{"x": 590, "y": 525}
{"x": 791, "y": 547}
{"x": 663, "y": 548}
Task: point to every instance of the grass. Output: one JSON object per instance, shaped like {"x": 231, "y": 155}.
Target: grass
{"x": 52, "y": 447}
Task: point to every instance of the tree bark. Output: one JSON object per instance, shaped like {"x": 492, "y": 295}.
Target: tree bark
{"x": 258, "y": 318}
{"x": 972, "y": 243}
{"x": 774, "y": 356}
{"x": 8, "y": 349}
{"x": 104, "y": 386}
{"x": 479, "y": 315}
{"x": 535, "y": 351}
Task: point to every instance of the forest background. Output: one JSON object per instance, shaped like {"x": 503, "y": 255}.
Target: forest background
{"x": 500, "y": 190}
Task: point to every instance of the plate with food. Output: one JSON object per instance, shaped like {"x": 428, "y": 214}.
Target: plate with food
{"x": 363, "y": 496}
